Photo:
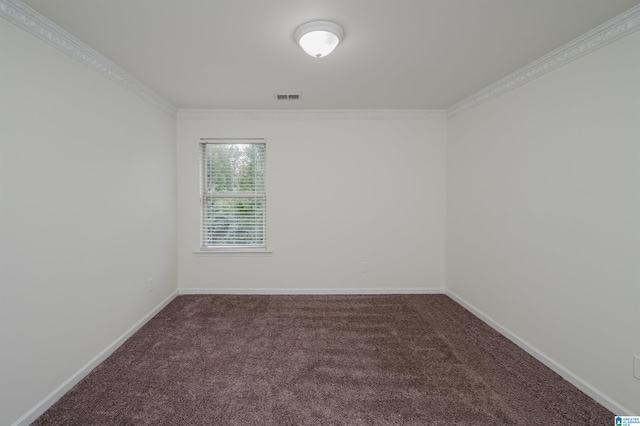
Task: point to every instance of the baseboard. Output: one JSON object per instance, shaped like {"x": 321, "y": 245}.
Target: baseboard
{"x": 327, "y": 291}
{"x": 59, "y": 392}
{"x": 572, "y": 378}
{"x": 566, "y": 374}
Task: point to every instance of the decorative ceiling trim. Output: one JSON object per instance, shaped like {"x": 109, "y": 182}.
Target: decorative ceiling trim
{"x": 311, "y": 114}
{"x": 31, "y": 21}
{"x": 600, "y": 36}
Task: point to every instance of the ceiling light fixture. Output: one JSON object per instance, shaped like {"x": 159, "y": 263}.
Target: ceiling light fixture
{"x": 318, "y": 38}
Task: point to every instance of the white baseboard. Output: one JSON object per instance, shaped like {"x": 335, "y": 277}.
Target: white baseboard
{"x": 312, "y": 291}
{"x": 39, "y": 409}
{"x": 572, "y": 378}
{"x": 566, "y": 374}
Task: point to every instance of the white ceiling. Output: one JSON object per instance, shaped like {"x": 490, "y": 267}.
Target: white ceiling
{"x": 396, "y": 54}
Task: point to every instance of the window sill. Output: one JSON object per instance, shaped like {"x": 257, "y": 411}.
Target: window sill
{"x": 231, "y": 252}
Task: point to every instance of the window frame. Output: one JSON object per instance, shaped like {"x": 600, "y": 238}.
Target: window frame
{"x": 205, "y": 196}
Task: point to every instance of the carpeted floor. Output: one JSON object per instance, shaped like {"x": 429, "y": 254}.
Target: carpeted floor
{"x": 321, "y": 360}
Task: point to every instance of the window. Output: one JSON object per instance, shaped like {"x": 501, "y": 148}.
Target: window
{"x": 233, "y": 197}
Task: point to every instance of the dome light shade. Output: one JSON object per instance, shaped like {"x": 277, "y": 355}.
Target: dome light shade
{"x": 318, "y": 38}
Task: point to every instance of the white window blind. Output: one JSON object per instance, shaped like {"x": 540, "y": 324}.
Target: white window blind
{"x": 233, "y": 194}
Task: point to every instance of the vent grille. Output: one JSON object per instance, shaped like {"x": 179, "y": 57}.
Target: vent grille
{"x": 287, "y": 96}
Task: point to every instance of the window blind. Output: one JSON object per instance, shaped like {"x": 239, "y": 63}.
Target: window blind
{"x": 233, "y": 194}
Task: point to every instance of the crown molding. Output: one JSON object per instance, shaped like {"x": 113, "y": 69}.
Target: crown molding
{"x": 311, "y": 114}
{"x": 31, "y": 21}
{"x": 600, "y": 36}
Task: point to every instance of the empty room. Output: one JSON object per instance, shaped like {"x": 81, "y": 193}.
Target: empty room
{"x": 303, "y": 212}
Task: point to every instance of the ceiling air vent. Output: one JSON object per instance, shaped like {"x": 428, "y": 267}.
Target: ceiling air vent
{"x": 287, "y": 96}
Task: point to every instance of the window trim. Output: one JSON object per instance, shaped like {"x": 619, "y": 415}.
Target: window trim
{"x": 230, "y": 251}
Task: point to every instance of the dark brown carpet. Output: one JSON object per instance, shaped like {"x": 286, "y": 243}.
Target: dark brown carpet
{"x": 321, "y": 360}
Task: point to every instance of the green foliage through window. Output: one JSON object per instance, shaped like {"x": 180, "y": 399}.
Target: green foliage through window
{"x": 233, "y": 195}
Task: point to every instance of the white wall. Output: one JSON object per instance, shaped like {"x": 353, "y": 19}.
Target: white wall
{"x": 87, "y": 215}
{"x": 543, "y": 215}
{"x": 339, "y": 192}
